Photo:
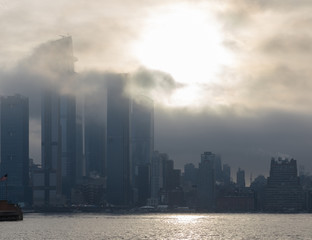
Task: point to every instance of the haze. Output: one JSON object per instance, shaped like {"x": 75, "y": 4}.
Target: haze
{"x": 231, "y": 77}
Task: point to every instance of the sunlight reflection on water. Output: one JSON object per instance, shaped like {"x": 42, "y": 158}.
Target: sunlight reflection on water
{"x": 159, "y": 226}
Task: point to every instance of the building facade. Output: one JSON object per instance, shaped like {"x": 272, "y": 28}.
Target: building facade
{"x": 283, "y": 192}
{"x": 95, "y": 107}
{"x": 118, "y": 144}
{"x": 14, "y": 148}
{"x": 206, "y": 187}
{"x": 141, "y": 147}
{"x": 58, "y": 125}
{"x": 240, "y": 178}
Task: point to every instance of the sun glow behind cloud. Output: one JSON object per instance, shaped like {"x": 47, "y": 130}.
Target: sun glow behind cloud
{"x": 184, "y": 41}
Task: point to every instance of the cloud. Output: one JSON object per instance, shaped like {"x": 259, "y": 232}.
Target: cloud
{"x": 259, "y": 105}
{"x": 246, "y": 142}
{"x": 158, "y": 86}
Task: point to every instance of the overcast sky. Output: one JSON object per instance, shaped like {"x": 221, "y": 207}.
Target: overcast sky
{"x": 231, "y": 77}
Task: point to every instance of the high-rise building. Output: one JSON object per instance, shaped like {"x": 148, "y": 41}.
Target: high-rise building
{"x": 80, "y": 157}
{"x": 68, "y": 141}
{"x": 283, "y": 191}
{"x": 226, "y": 174}
{"x": 118, "y": 143}
{"x": 190, "y": 174}
{"x": 141, "y": 146}
{"x": 47, "y": 181}
{"x": 206, "y": 186}
{"x": 58, "y": 119}
{"x": 95, "y": 107}
{"x": 240, "y": 178}
{"x": 157, "y": 176}
{"x": 14, "y": 148}
{"x": 218, "y": 168}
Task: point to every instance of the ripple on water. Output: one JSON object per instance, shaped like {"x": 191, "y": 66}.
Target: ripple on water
{"x": 159, "y": 226}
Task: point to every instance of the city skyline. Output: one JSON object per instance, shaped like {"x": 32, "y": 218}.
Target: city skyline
{"x": 244, "y": 94}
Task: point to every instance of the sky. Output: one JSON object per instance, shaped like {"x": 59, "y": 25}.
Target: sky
{"x": 231, "y": 77}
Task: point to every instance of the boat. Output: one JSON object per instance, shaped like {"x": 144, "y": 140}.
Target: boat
{"x": 10, "y": 212}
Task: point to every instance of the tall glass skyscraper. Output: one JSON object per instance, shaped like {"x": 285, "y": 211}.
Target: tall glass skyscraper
{"x": 58, "y": 117}
{"x": 14, "y": 147}
{"x": 142, "y": 147}
{"x": 95, "y": 132}
{"x": 118, "y": 143}
{"x": 206, "y": 186}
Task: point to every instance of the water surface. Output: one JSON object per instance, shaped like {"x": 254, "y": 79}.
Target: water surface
{"x": 159, "y": 226}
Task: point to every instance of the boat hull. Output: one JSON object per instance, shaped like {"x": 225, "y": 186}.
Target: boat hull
{"x": 10, "y": 212}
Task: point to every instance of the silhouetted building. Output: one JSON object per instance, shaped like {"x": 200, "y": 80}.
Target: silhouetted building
{"x": 68, "y": 140}
{"x": 47, "y": 182}
{"x": 80, "y": 157}
{"x": 142, "y": 179}
{"x": 118, "y": 144}
{"x": 90, "y": 190}
{"x": 206, "y": 186}
{"x": 258, "y": 186}
{"x": 236, "y": 201}
{"x": 240, "y": 178}
{"x": 190, "y": 174}
{"x": 142, "y": 146}
{"x": 157, "y": 172}
{"x": 283, "y": 191}
{"x": 95, "y": 132}
{"x": 14, "y": 147}
{"x": 226, "y": 174}
{"x": 171, "y": 193}
{"x": 218, "y": 169}
{"x": 58, "y": 125}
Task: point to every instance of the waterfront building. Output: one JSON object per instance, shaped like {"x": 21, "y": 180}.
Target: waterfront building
{"x": 80, "y": 150}
{"x": 118, "y": 143}
{"x": 190, "y": 174}
{"x": 58, "y": 125}
{"x": 206, "y": 186}
{"x": 47, "y": 181}
{"x": 236, "y": 201}
{"x": 89, "y": 190}
{"x": 95, "y": 107}
{"x": 218, "y": 169}
{"x": 258, "y": 186}
{"x": 240, "y": 178}
{"x": 141, "y": 146}
{"x": 283, "y": 192}
{"x": 226, "y": 172}
{"x": 14, "y": 148}
{"x": 157, "y": 176}
{"x": 68, "y": 141}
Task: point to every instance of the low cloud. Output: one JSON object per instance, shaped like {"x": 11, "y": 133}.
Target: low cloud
{"x": 158, "y": 86}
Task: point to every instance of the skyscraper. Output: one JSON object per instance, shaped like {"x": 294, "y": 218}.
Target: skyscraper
{"x": 142, "y": 145}
{"x": 48, "y": 181}
{"x": 226, "y": 172}
{"x": 68, "y": 141}
{"x": 95, "y": 132}
{"x": 283, "y": 191}
{"x": 14, "y": 146}
{"x": 58, "y": 119}
{"x": 118, "y": 143}
{"x": 206, "y": 186}
{"x": 157, "y": 175}
{"x": 240, "y": 178}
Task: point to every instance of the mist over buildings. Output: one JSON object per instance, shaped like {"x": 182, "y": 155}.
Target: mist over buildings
{"x": 259, "y": 107}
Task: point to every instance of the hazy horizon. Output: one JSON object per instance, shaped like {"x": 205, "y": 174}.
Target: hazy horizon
{"x": 228, "y": 77}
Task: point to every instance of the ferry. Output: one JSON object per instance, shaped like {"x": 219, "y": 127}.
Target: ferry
{"x": 10, "y": 212}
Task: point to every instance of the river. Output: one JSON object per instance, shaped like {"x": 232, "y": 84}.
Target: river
{"x": 159, "y": 226}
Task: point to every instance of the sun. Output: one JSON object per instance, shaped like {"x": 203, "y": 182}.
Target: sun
{"x": 186, "y": 42}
